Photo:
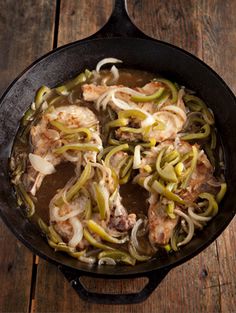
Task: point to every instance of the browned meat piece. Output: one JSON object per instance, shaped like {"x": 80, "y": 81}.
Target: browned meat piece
{"x": 120, "y": 219}
{"x": 161, "y": 226}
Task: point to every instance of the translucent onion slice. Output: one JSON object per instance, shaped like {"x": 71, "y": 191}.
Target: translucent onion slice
{"x": 56, "y": 217}
{"x": 137, "y": 157}
{"x": 78, "y": 232}
{"x": 41, "y": 165}
{"x": 115, "y": 73}
{"x": 106, "y": 61}
{"x": 198, "y": 217}
{"x": 133, "y": 238}
{"x": 190, "y": 227}
{"x": 106, "y": 261}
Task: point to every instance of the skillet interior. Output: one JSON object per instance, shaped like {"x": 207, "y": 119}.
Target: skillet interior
{"x": 149, "y": 55}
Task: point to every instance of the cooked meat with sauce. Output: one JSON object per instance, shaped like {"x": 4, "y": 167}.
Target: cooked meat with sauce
{"x": 119, "y": 165}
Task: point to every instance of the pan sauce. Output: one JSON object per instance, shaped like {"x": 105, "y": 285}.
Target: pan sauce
{"x": 149, "y": 216}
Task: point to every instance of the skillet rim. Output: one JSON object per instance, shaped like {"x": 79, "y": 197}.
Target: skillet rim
{"x": 154, "y": 267}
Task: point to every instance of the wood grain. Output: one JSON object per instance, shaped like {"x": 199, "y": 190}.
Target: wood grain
{"x": 26, "y": 32}
{"x": 219, "y": 40}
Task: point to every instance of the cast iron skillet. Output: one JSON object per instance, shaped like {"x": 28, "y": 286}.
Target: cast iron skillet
{"x": 120, "y": 39}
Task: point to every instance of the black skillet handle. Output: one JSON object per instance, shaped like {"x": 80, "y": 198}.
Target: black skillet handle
{"x": 119, "y": 24}
{"x": 154, "y": 279}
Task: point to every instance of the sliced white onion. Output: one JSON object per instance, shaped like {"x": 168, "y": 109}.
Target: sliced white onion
{"x": 106, "y": 61}
{"x": 56, "y": 217}
{"x": 41, "y": 165}
{"x": 190, "y": 227}
{"x": 72, "y": 158}
{"x": 146, "y": 181}
{"x": 150, "y": 120}
{"x": 198, "y": 217}
{"x": 134, "y": 231}
{"x": 120, "y": 103}
{"x": 88, "y": 260}
{"x": 78, "y": 232}
{"x": 176, "y": 110}
{"x": 106, "y": 261}
{"x": 115, "y": 73}
{"x": 137, "y": 157}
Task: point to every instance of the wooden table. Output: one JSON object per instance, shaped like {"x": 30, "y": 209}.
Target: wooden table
{"x": 206, "y": 28}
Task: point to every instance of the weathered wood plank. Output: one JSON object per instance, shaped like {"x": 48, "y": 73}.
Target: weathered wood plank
{"x": 26, "y": 32}
{"x": 219, "y": 51}
{"x": 84, "y": 18}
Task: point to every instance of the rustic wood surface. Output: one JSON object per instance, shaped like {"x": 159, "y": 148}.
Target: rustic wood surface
{"x": 206, "y": 28}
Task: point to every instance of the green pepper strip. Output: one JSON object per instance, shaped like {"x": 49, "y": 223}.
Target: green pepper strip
{"x": 163, "y": 98}
{"x": 68, "y": 130}
{"x": 168, "y": 173}
{"x": 152, "y": 142}
{"x": 78, "y": 146}
{"x": 132, "y": 130}
{"x": 55, "y": 99}
{"x": 114, "y": 151}
{"x": 196, "y": 104}
{"x": 148, "y": 98}
{"x": 116, "y": 123}
{"x": 81, "y": 78}
{"x": 171, "y": 158}
{"x": 53, "y": 235}
{"x": 28, "y": 116}
{"x": 159, "y": 188}
{"x": 170, "y": 210}
{"x": 102, "y": 202}
{"x": 124, "y": 169}
{"x": 94, "y": 242}
{"x": 212, "y": 203}
{"x": 39, "y": 97}
{"x": 132, "y": 113}
{"x": 134, "y": 253}
{"x": 27, "y": 200}
{"x": 221, "y": 193}
{"x": 172, "y": 88}
{"x": 126, "y": 178}
{"x": 77, "y": 186}
{"x": 61, "y": 246}
{"x": 102, "y": 153}
{"x": 97, "y": 229}
{"x": 206, "y": 130}
{"x": 192, "y": 167}
{"x": 88, "y": 205}
{"x": 119, "y": 256}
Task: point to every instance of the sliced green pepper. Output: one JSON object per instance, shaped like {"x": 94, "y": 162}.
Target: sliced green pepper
{"x": 172, "y": 88}
{"x": 27, "y": 199}
{"x": 101, "y": 199}
{"x": 212, "y": 203}
{"x": 162, "y": 190}
{"x": 84, "y": 177}
{"x": 40, "y": 94}
{"x": 168, "y": 173}
{"x": 122, "y": 147}
{"x": 94, "y": 242}
{"x": 118, "y": 256}
{"x": 68, "y": 130}
{"x": 132, "y": 113}
{"x": 148, "y": 98}
{"x": 221, "y": 193}
{"x": 205, "y": 132}
{"x": 99, "y": 230}
{"x": 192, "y": 167}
